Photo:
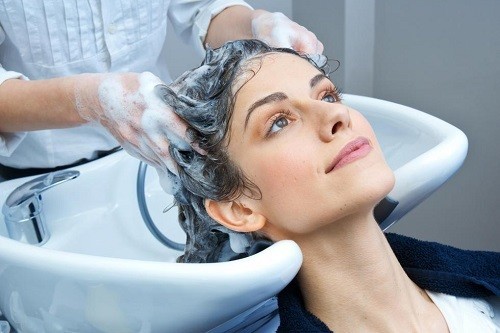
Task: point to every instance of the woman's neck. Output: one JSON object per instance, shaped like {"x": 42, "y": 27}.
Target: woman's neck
{"x": 351, "y": 278}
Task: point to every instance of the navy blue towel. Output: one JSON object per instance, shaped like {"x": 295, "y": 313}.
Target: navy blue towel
{"x": 446, "y": 269}
{"x": 432, "y": 266}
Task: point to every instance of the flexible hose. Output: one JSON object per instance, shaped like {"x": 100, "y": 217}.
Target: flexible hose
{"x": 143, "y": 208}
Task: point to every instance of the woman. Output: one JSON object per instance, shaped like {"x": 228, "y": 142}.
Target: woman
{"x": 278, "y": 157}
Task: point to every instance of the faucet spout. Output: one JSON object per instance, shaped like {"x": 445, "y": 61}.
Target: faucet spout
{"x": 23, "y": 210}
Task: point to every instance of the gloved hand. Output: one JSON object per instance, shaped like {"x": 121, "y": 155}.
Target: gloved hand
{"x": 127, "y": 105}
{"x": 277, "y": 30}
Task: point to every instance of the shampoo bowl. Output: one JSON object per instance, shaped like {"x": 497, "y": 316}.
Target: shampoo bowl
{"x": 101, "y": 270}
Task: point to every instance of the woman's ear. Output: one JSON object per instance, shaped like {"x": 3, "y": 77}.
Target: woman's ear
{"x": 235, "y": 215}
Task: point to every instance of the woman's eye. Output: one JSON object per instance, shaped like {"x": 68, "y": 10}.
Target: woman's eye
{"x": 329, "y": 98}
{"x": 279, "y": 124}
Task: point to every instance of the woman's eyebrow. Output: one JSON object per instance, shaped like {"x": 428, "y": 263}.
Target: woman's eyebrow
{"x": 274, "y": 97}
{"x": 317, "y": 78}
{"x": 279, "y": 96}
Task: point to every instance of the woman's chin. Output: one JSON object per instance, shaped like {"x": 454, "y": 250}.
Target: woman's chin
{"x": 377, "y": 188}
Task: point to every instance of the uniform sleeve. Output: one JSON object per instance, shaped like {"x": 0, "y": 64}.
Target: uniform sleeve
{"x": 191, "y": 18}
{"x": 9, "y": 141}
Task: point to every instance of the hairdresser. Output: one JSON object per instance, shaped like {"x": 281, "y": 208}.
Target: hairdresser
{"x": 77, "y": 80}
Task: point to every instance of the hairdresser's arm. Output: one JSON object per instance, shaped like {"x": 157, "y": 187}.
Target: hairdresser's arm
{"x": 124, "y": 103}
{"x": 35, "y": 105}
{"x": 232, "y": 23}
{"x": 239, "y": 22}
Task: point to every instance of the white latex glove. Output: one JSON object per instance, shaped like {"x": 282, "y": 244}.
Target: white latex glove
{"x": 277, "y": 30}
{"x": 127, "y": 105}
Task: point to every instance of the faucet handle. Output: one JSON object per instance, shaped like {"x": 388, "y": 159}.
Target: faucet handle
{"x": 22, "y": 210}
{"x": 37, "y": 186}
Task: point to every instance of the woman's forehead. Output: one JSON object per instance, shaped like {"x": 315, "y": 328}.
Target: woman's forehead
{"x": 271, "y": 68}
{"x": 280, "y": 62}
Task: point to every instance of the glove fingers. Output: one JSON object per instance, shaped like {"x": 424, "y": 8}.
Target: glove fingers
{"x": 305, "y": 41}
{"x": 159, "y": 147}
{"x": 278, "y": 30}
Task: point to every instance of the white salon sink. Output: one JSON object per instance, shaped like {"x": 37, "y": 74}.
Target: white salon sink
{"x": 424, "y": 151}
{"x": 102, "y": 270}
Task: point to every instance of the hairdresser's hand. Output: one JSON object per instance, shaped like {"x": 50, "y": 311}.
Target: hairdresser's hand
{"x": 279, "y": 31}
{"x": 127, "y": 105}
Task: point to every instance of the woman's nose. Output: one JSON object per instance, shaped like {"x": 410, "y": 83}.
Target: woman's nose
{"x": 333, "y": 119}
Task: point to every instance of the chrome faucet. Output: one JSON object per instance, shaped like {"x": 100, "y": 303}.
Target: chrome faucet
{"x": 23, "y": 210}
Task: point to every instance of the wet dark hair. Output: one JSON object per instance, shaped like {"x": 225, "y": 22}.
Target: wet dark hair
{"x": 204, "y": 97}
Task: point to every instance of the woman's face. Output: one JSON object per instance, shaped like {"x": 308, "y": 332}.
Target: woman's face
{"x": 315, "y": 160}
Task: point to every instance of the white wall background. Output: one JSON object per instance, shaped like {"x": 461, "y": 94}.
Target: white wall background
{"x": 441, "y": 57}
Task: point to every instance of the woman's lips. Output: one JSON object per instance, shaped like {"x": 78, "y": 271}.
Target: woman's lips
{"x": 354, "y": 150}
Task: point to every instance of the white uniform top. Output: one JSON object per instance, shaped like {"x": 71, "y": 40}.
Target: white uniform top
{"x": 468, "y": 315}
{"x": 44, "y": 39}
